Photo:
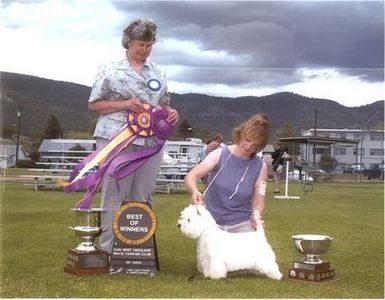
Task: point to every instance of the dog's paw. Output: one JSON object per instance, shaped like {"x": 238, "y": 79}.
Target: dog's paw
{"x": 216, "y": 272}
{"x": 275, "y": 275}
{"x": 217, "y": 276}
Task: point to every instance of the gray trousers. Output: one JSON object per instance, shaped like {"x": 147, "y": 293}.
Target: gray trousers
{"x": 138, "y": 186}
{"x": 244, "y": 226}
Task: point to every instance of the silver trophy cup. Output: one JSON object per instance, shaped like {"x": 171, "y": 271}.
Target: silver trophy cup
{"x": 86, "y": 259}
{"x": 88, "y": 228}
{"x": 313, "y": 246}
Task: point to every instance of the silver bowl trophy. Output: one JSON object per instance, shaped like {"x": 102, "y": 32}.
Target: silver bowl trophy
{"x": 86, "y": 258}
{"x": 312, "y": 268}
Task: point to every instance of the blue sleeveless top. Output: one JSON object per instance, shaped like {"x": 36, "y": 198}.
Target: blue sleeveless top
{"x": 228, "y": 184}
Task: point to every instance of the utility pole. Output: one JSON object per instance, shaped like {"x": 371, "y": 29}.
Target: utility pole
{"x": 315, "y": 134}
{"x": 18, "y": 116}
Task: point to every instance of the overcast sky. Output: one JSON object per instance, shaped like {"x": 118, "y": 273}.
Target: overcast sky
{"x": 323, "y": 49}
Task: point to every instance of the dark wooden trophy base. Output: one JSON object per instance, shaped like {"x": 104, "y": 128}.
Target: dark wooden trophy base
{"x": 83, "y": 263}
{"x": 312, "y": 273}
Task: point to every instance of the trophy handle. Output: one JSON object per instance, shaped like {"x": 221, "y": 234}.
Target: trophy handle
{"x": 300, "y": 245}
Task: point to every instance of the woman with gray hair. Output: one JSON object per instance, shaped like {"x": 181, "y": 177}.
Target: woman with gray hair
{"x": 121, "y": 86}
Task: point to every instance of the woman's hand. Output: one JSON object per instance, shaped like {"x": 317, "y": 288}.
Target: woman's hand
{"x": 197, "y": 197}
{"x": 105, "y": 106}
{"x": 173, "y": 116}
{"x": 200, "y": 170}
{"x": 134, "y": 105}
{"x": 256, "y": 220}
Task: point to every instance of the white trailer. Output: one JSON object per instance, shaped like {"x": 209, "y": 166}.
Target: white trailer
{"x": 186, "y": 152}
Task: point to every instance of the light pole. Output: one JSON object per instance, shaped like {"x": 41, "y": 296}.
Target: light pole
{"x": 315, "y": 134}
{"x": 18, "y": 115}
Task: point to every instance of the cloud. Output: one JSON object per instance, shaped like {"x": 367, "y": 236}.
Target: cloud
{"x": 235, "y": 77}
{"x": 269, "y": 44}
{"x": 341, "y": 34}
{"x": 57, "y": 39}
{"x": 189, "y": 53}
{"x": 333, "y": 85}
{"x": 345, "y": 34}
{"x": 331, "y": 49}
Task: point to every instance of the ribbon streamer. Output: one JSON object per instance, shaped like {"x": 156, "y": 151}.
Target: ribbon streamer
{"x": 150, "y": 122}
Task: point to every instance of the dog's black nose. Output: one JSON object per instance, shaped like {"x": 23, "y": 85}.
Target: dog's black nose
{"x": 178, "y": 225}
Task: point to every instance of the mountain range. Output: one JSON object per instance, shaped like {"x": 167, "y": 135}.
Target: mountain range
{"x": 39, "y": 98}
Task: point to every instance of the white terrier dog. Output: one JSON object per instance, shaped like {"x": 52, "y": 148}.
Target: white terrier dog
{"x": 220, "y": 252}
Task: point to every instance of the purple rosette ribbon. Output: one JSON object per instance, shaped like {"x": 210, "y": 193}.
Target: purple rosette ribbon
{"x": 151, "y": 122}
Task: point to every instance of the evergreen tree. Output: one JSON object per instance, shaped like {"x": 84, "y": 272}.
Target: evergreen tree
{"x": 53, "y": 129}
{"x": 328, "y": 163}
{"x": 185, "y": 129}
{"x": 79, "y": 154}
{"x": 79, "y": 135}
{"x": 7, "y": 132}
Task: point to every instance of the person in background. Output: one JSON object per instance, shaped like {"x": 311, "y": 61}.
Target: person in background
{"x": 277, "y": 163}
{"x": 122, "y": 86}
{"x": 203, "y": 152}
{"x": 202, "y": 155}
{"x": 236, "y": 194}
{"x": 216, "y": 143}
{"x": 298, "y": 164}
{"x": 211, "y": 146}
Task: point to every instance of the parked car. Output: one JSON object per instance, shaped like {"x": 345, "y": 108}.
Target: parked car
{"x": 353, "y": 169}
{"x": 374, "y": 172}
{"x": 294, "y": 175}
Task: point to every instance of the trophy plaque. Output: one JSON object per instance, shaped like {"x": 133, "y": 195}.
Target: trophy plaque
{"x": 312, "y": 268}
{"x": 134, "y": 251}
{"x": 86, "y": 259}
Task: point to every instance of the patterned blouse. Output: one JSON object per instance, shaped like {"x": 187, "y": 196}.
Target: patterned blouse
{"x": 117, "y": 81}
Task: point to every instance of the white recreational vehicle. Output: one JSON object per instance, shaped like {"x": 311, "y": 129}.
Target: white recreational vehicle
{"x": 186, "y": 152}
{"x": 178, "y": 159}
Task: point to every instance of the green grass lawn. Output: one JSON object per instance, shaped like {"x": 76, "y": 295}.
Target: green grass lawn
{"x": 35, "y": 239}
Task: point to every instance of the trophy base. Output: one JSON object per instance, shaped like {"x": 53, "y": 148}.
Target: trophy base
{"x": 87, "y": 263}
{"x": 312, "y": 273}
